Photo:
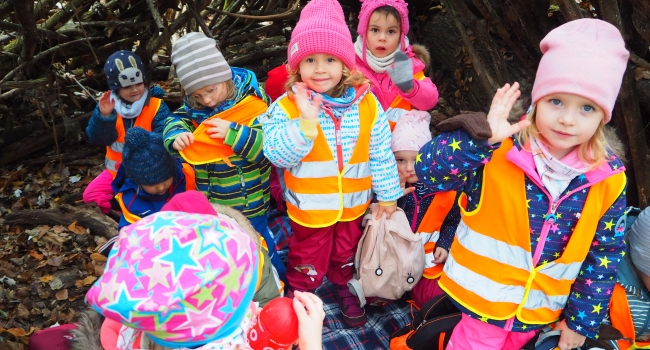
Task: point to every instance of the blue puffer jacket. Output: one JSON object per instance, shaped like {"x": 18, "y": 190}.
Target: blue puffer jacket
{"x": 454, "y": 161}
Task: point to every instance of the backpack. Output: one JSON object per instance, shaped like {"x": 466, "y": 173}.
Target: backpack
{"x": 389, "y": 259}
{"x": 431, "y": 327}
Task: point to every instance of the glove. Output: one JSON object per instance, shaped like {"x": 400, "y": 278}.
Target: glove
{"x": 475, "y": 123}
{"x": 401, "y": 72}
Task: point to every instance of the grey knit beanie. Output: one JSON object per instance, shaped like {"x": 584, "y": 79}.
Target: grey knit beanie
{"x": 198, "y": 62}
{"x": 639, "y": 242}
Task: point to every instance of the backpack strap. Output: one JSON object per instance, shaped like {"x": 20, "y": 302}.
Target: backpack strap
{"x": 355, "y": 288}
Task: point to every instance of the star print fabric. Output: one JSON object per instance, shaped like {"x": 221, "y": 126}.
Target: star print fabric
{"x": 185, "y": 279}
{"x": 455, "y": 161}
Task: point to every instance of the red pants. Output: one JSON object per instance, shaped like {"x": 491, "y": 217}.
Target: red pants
{"x": 326, "y": 251}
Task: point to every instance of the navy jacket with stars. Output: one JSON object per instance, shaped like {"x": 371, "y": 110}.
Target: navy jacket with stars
{"x": 454, "y": 161}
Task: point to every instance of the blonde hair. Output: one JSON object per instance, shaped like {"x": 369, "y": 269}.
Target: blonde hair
{"x": 600, "y": 148}
{"x": 231, "y": 93}
{"x": 348, "y": 79}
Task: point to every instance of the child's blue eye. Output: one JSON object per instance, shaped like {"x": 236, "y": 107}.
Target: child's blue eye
{"x": 588, "y": 108}
{"x": 556, "y": 102}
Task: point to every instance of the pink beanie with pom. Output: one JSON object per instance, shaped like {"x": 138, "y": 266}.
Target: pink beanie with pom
{"x": 585, "y": 57}
{"x": 321, "y": 29}
{"x": 369, "y": 6}
{"x": 411, "y": 131}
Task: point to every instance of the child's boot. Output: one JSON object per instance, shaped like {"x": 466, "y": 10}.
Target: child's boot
{"x": 353, "y": 314}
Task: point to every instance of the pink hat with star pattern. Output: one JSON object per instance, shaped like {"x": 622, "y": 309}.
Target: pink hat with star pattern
{"x": 184, "y": 279}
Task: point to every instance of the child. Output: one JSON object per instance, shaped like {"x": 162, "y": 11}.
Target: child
{"x": 537, "y": 242}
{"x": 395, "y": 68}
{"x": 628, "y": 311}
{"x": 128, "y": 103}
{"x": 180, "y": 280}
{"x": 149, "y": 177}
{"x": 433, "y": 216}
{"x": 216, "y": 130}
{"x": 331, "y": 137}
{"x": 194, "y": 202}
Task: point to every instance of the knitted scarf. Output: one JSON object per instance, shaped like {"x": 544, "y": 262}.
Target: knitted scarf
{"x": 129, "y": 110}
{"x": 378, "y": 65}
{"x": 338, "y": 106}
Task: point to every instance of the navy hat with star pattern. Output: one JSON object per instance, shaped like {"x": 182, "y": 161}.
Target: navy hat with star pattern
{"x": 123, "y": 68}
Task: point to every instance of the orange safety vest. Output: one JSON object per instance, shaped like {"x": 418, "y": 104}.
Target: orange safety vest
{"x": 320, "y": 191}
{"x": 621, "y": 318}
{"x": 208, "y": 150}
{"x": 432, "y": 222}
{"x": 490, "y": 268}
{"x": 190, "y": 185}
{"x": 144, "y": 120}
{"x": 401, "y": 103}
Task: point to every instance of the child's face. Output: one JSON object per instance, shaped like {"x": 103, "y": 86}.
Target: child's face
{"x": 212, "y": 95}
{"x": 383, "y": 34}
{"x": 131, "y": 93}
{"x": 321, "y": 72}
{"x": 406, "y": 165}
{"x": 566, "y": 121}
{"x": 159, "y": 188}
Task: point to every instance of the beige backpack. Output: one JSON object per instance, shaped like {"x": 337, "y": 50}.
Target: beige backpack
{"x": 389, "y": 259}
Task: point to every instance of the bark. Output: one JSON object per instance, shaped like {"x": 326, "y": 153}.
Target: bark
{"x": 88, "y": 217}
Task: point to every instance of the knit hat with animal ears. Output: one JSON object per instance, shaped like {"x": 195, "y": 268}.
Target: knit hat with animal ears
{"x": 122, "y": 69}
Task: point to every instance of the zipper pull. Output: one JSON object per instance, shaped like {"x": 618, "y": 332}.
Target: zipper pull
{"x": 338, "y": 137}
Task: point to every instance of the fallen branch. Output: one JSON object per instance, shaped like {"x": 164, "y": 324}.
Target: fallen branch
{"x": 639, "y": 61}
{"x": 270, "y": 52}
{"x": 90, "y": 218}
{"x": 290, "y": 13}
{"x": 43, "y": 32}
{"x": 25, "y": 84}
{"x": 570, "y": 10}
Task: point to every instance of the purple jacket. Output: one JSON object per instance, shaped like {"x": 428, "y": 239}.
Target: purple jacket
{"x": 454, "y": 161}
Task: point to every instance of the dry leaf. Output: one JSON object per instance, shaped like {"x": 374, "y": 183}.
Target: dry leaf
{"x": 97, "y": 257}
{"x": 641, "y": 73}
{"x": 62, "y": 295}
{"x": 89, "y": 280}
{"x": 55, "y": 261}
{"x": 34, "y": 254}
{"x": 17, "y": 332}
{"x": 46, "y": 278}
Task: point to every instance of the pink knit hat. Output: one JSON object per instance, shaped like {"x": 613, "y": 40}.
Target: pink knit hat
{"x": 585, "y": 57}
{"x": 321, "y": 29}
{"x": 411, "y": 131}
{"x": 184, "y": 279}
{"x": 369, "y": 6}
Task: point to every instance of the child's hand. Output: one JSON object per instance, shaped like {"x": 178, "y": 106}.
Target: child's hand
{"x": 568, "y": 338}
{"x": 309, "y": 309}
{"x": 106, "y": 104}
{"x": 440, "y": 255}
{"x": 402, "y": 184}
{"x": 380, "y": 209}
{"x": 502, "y": 103}
{"x": 183, "y": 140}
{"x": 219, "y": 128}
{"x": 308, "y": 110}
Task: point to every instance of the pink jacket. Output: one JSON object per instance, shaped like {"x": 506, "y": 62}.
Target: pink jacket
{"x": 423, "y": 97}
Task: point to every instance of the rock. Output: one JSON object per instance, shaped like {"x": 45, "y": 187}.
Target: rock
{"x": 17, "y": 261}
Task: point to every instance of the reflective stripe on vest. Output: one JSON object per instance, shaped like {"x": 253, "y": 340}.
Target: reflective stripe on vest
{"x": 490, "y": 268}
{"x": 401, "y": 103}
{"x": 429, "y": 230}
{"x": 206, "y": 150}
{"x": 621, "y": 317}
{"x": 317, "y": 194}
{"x": 144, "y": 120}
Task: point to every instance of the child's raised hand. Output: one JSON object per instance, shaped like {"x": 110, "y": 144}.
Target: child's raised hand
{"x": 309, "y": 110}
{"x": 309, "y": 309}
{"x": 219, "y": 128}
{"x": 402, "y": 184}
{"x": 568, "y": 338}
{"x": 106, "y": 104}
{"x": 183, "y": 140}
{"x": 502, "y": 103}
{"x": 440, "y": 255}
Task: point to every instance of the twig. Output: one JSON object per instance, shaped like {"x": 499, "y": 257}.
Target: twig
{"x": 156, "y": 15}
{"x": 104, "y": 24}
{"x": 198, "y": 17}
{"x": 42, "y": 32}
{"x": 570, "y": 9}
{"x": 292, "y": 11}
{"x": 639, "y": 61}
{"x": 86, "y": 36}
{"x": 476, "y": 63}
{"x": 56, "y": 138}
{"x": 43, "y": 54}
{"x": 41, "y": 114}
